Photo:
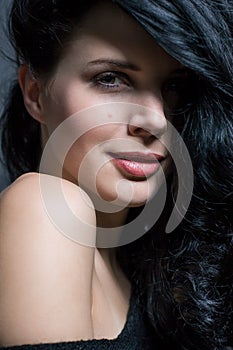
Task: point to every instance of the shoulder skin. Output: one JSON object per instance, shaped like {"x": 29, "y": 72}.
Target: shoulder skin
{"x": 46, "y": 278}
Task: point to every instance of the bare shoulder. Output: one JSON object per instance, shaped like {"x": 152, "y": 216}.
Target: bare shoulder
{"x": 35, "y": 189}
{"x": 45, "y": 205}
{"x": 45, "y": 274}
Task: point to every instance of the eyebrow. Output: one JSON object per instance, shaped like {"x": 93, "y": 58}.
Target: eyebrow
{"x": 128, "y": 65}
{"x": 116, "y": 63}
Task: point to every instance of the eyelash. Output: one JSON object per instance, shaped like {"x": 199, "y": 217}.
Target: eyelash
{"x": 98, "y": 81}
{"x": 175, "y": 88}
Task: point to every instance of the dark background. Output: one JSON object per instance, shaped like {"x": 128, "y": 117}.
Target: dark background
{"x": 7, "y": 73}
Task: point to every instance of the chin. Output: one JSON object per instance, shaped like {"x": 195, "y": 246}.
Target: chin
{"x": 133, "y": 197}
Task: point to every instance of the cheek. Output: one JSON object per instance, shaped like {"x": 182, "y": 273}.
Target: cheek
{"x": 86, "y": 152}
{"x": 65, "y": 100}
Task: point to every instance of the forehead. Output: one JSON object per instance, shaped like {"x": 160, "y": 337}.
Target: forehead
{"x": 111, "y": 22}
{"x": 109, "y": 31}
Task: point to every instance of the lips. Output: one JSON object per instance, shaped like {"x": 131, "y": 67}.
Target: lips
{"x": 138, "y": 156}
{"x": 137, "y": 164}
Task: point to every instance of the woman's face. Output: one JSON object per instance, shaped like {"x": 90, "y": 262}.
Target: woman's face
{"x": 111, "y": 59}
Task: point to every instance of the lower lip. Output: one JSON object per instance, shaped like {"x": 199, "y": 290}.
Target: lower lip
{"x": 137, "y": 169}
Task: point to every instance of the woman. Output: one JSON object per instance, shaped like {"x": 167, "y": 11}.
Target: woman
{"x": 173, "y": 58}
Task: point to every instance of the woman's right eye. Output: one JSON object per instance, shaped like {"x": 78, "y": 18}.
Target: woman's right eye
{"x": 111, "y": 81}
{"x": 177, "y": 93}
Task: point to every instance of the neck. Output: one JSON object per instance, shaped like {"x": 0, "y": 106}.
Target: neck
{"x": 110, "y": 220}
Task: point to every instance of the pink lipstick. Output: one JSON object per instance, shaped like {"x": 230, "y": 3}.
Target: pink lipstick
{"x": 137, "y": 164}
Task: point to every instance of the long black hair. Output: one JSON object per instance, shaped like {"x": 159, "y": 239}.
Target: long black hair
{"x": 185, "y": 277}
{"x": 189, "y": 274}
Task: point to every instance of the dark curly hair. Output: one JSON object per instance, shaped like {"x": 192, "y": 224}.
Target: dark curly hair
{"x": 185, "y": 278}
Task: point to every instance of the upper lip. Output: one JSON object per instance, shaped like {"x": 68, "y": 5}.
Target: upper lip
{"x": 138, "y": 156}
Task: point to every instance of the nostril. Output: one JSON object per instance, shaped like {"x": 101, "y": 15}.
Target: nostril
{"x": 148, "y": 124}
{"x": 139, "y": 131}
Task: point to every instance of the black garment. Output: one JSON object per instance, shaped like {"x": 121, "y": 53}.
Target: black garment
{"x": 136, "y": 335}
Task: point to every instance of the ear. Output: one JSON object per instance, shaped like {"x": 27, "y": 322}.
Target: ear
{"x": 31, "y": 89}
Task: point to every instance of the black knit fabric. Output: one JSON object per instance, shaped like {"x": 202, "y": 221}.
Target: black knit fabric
{"x": 136, "y": 335}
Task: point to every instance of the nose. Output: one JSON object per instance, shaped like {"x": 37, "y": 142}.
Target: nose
{"x": 148, "y": 117}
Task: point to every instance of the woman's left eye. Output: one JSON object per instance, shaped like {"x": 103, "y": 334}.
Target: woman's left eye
{"x": 111, "y": 81}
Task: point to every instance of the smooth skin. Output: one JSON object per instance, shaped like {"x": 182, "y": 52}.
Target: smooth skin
{"x": 53, "y": 289}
